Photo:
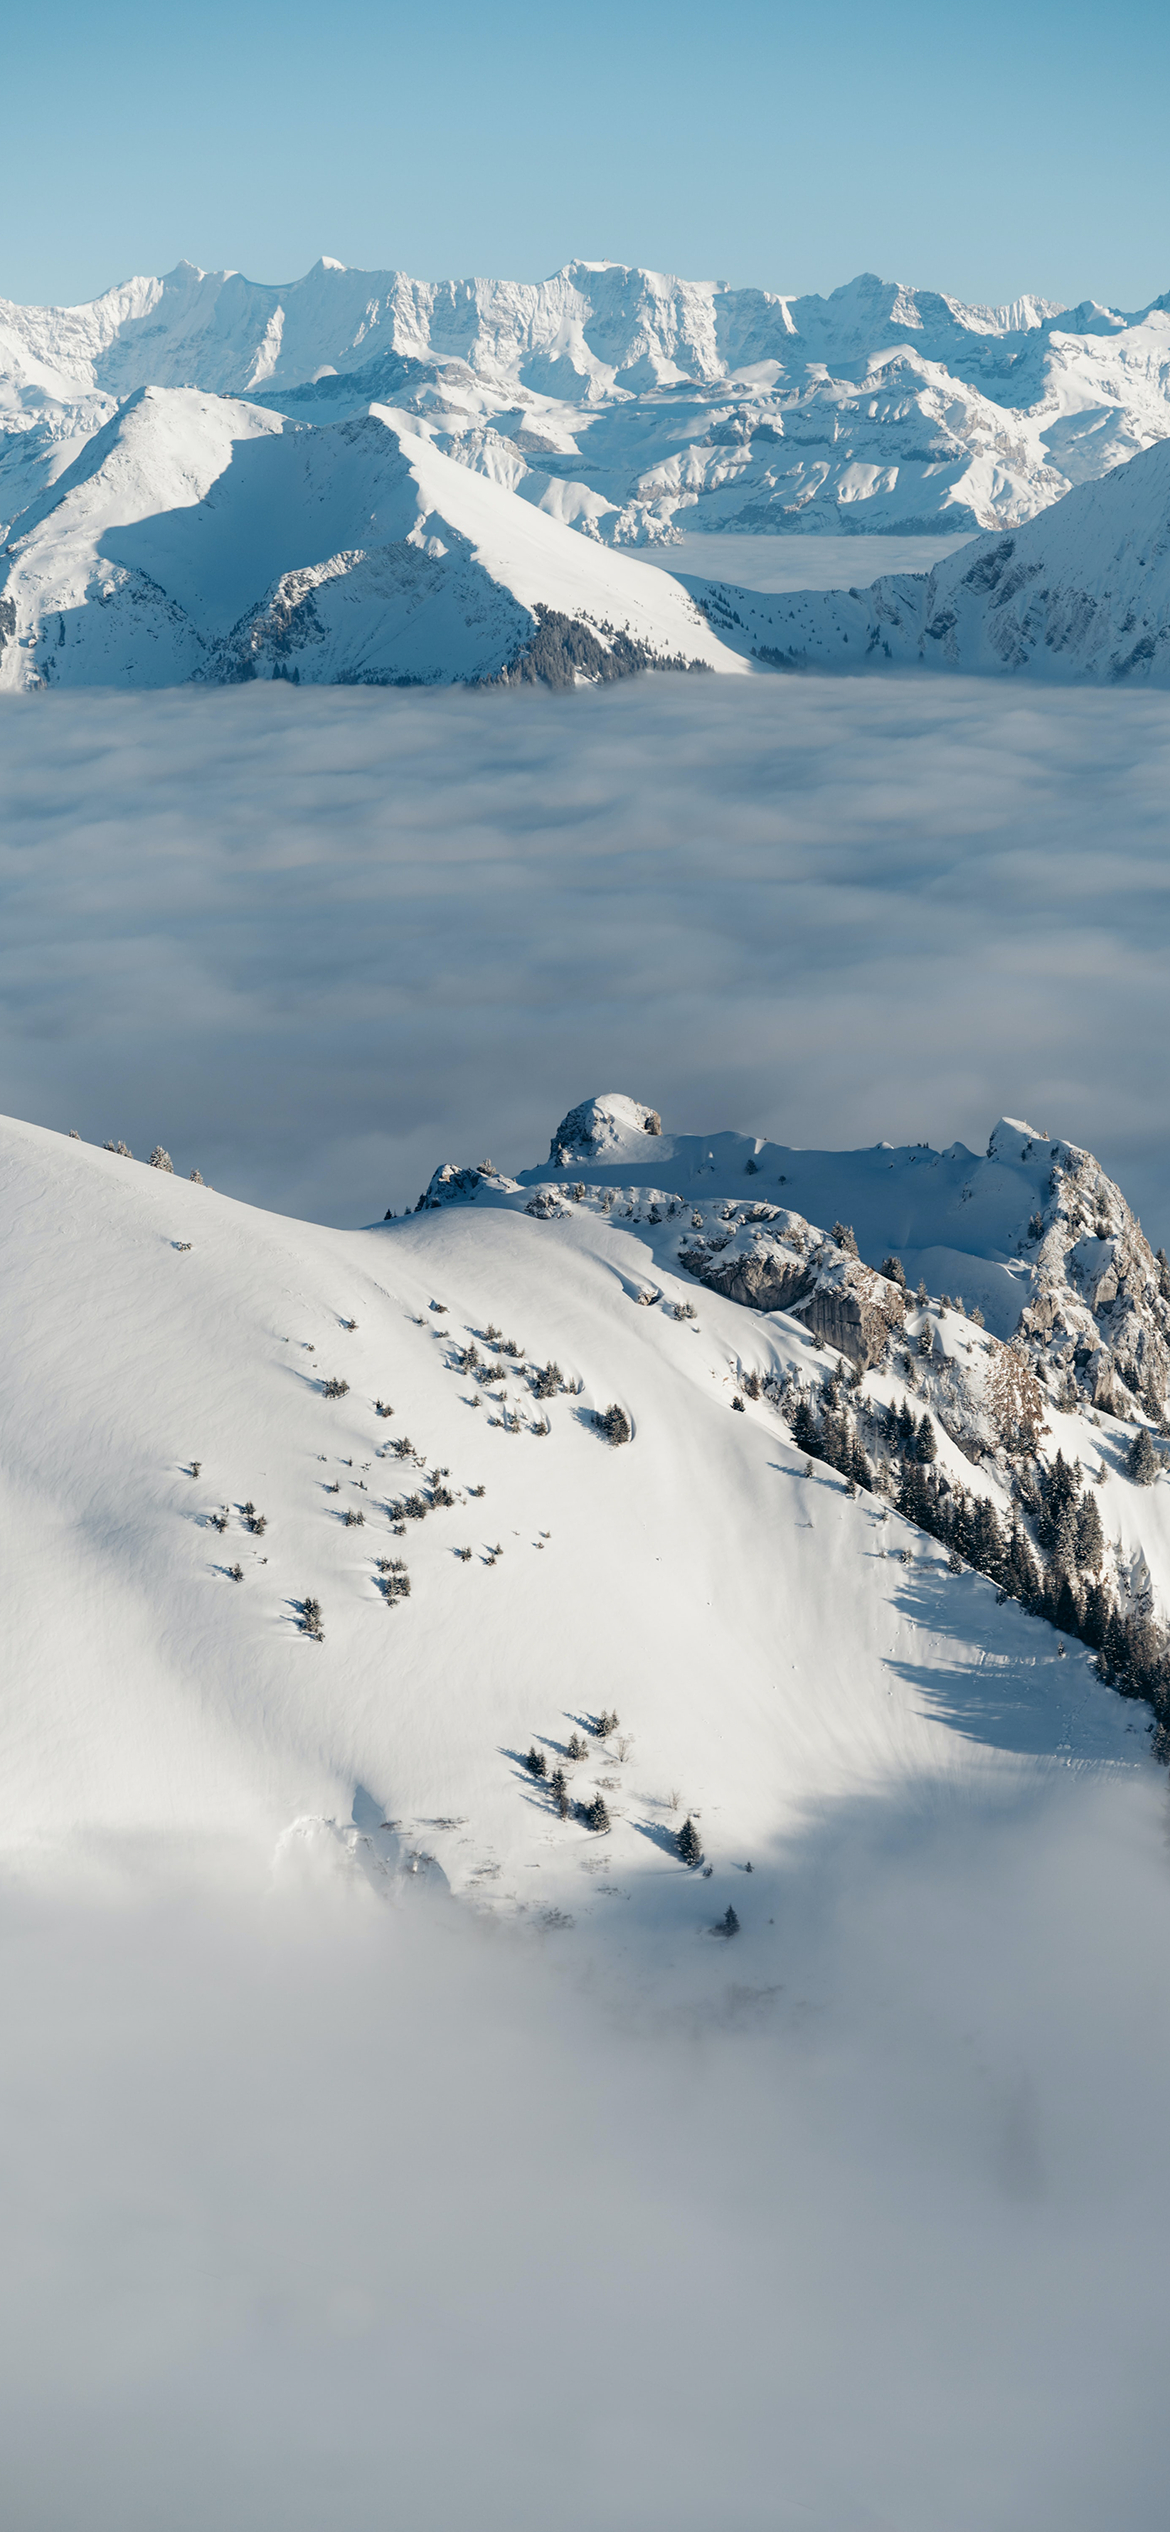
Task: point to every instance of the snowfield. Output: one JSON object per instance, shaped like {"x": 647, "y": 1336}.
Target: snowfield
{"x": 769, "y": 1642}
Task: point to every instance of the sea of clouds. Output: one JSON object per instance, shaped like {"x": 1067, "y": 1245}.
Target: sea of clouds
{"x": 315, "y": 942}
{"x": 321, "y": 2204}
{"x": 322, "y": 2207}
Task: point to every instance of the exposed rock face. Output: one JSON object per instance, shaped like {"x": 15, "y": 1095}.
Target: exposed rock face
{"x": 1098, "y": 1319}
{"x": 461, "y": 1186}
{"x": 791, "y": 1267}
{"x": 604, "y": 1129}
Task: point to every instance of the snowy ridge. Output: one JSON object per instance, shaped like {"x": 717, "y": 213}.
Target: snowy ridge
{"x": 196, "y": 537}
{"x": 298, "y": 1517}
{"x": 1081, "y": 593}
{"x": 631, "y": 402}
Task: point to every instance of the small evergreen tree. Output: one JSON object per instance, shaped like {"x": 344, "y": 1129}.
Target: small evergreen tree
{"x": 894, "y": 1271}
{"x": 805, "y": 1429}
{"x": 926, "y": 1442}
{"x": 615, "y": 1424}
{"x": 842, "y": 1233}
{"x": 536, "y": 1763}
{"x": 161, "y": 1160}
{"x": 1143, "y": 1463}
{"x": 689, "y": 1844}
{"x": 596, "y": 1814}
{"x": 729, "y": 1925}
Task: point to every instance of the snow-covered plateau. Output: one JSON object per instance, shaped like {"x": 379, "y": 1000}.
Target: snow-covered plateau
{"x": 365, "y": 479}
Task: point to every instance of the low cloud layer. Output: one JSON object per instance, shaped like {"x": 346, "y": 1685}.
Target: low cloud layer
{"x": 316, "y": 2205}
{"x": 315, "y": 942}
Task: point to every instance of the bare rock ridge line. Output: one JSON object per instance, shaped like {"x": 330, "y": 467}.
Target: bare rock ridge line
{"x": 1032, "y": 1234}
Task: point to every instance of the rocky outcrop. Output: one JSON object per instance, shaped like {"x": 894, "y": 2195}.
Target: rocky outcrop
{"x": 1096, "y": 1326}
{"x": 603, "y": 1129}
{"x": 789, "y": 1266}
{"x": 461, "y": 1186}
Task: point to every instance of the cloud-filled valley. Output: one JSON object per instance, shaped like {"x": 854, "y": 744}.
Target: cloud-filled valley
{"x": 317, "y": 942}
{"x": 313, "y": 2202}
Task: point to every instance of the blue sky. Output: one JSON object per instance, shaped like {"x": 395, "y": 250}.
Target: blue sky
{"x": 984, "y": 151}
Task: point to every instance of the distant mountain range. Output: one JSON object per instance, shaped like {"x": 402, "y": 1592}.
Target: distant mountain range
{"x": 627, "y": 402}
{"x": 366, "y": 479}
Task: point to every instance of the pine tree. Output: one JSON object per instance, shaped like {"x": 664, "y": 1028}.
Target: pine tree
{"x": 1098, "y": 1609}
{"x": 730, "y": 1923}
{"x": 842, "y": 1233}
{"x": 805, "y": 1429}
{"x": 536, "y": 1762}
{"x": 597, "y": 1814}
{"x": 987, "y": 1548}
{"x": 926, "y": 1442}
{"x": 1144, "y": 1462}
{"x": 859, "y": 1467}
{"x": 894, "y": 1271}
{"x": 1024, "y": 1573}
{"x": 1067, "y": 1613}
{"x": 1090, "y": 1535}
{"x": 1064, "y": 1538}
{"x": 689, "y": 1844}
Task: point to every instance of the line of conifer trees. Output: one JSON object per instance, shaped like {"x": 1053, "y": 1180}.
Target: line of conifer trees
{"x": 1063, "y": 1583}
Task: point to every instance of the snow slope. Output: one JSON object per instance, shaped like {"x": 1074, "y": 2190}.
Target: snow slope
{"x": 201, "y": 537}
{"x": 631, "y": 401}
{"x": 763, "y": 1650}
{"x": 1083, "y": 592}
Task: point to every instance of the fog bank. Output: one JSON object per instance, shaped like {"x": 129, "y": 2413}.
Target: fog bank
{"x": 316, "y": 941}
{"x": 315, "y": 2202}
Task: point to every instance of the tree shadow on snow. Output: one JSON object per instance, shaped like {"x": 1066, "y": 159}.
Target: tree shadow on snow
{"x": 1013, "y": 1690}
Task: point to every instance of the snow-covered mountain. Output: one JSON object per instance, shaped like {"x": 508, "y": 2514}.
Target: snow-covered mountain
{"x": 1083, "y": 592}
{"x": 628, "y": 401}
{"x": 323, "y": 1538}
{"x": 199, "y": 536}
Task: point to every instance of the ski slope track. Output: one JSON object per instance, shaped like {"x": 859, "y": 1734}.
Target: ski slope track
{"x": 772, "y": 1641}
